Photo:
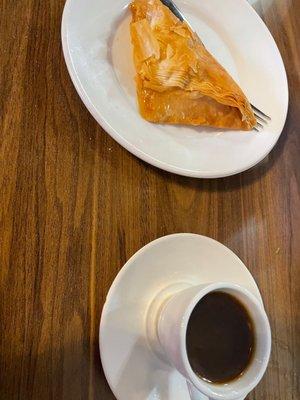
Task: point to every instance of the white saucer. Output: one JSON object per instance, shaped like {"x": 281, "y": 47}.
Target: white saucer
{"x": 132, "y": 370}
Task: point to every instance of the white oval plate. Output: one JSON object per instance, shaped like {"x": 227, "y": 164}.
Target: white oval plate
{"x": 98, "y": 53}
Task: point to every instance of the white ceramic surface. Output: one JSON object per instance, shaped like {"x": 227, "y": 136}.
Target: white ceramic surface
{"x": 172, "y": 322}
{"x": 132, "y": 369}
{"x": 97, "y": 49}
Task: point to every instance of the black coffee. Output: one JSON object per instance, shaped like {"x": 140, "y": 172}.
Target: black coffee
{"x": 220, "y": 338}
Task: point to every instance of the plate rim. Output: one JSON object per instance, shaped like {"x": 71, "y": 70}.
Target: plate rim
{"x": 132, "y": 148}
{"x": 161, "y": 239}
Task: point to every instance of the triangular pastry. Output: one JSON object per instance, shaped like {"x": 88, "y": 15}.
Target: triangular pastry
{"x": 178, "y": 80}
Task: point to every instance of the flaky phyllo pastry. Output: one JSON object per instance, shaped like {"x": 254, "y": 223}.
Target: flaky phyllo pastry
{"x": 178, "y": 80}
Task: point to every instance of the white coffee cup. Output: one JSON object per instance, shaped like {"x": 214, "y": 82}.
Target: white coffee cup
{"x": 172, "y": 323}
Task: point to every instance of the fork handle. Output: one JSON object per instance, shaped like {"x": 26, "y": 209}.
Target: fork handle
{"x": 175, "y": 10}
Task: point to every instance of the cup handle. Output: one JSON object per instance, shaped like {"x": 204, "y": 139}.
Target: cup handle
{"x": 196, "y": 395}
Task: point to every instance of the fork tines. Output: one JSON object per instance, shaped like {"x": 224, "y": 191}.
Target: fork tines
{"x": 262, "y": 118}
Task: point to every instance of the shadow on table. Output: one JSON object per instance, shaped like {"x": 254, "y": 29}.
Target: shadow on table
{"x": 234, "y": 182}
{"x": 61, "y": 372}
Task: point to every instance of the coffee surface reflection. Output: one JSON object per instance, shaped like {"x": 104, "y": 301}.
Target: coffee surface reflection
{"x": 220, "y": 338}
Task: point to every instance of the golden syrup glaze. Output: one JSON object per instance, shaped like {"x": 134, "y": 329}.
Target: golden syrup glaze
{"x": 178, "y": 80}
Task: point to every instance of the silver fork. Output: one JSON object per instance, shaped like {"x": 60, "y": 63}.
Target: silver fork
{"x": 261, "y": 117}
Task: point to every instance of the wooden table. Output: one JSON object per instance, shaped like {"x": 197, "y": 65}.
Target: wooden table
{"x": 74, "y": 206}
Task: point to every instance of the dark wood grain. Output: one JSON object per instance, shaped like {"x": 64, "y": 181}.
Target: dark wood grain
{"x": 74, "y": 206}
